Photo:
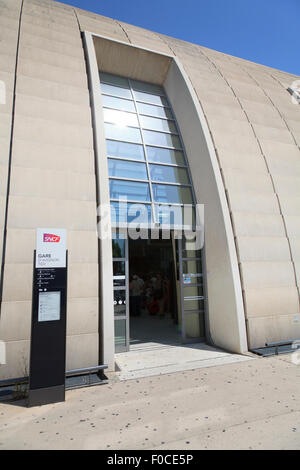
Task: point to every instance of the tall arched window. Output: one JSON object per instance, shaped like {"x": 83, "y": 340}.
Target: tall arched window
{"x": 146, "y": 158}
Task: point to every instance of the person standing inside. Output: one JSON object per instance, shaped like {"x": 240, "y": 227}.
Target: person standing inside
{"x": 159, "y": 293}
{"x": 135, "y": 288}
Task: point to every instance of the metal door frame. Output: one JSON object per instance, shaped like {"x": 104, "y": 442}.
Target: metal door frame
{"x": 126, "y": 289}
{"x": 184, "y": 312}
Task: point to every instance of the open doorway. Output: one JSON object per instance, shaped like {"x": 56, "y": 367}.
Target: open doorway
{"x": 153, "y": 286}
{"x": 158, "y": 292}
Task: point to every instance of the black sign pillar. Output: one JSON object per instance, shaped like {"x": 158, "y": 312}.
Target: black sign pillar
{"x": 48, "y": 335}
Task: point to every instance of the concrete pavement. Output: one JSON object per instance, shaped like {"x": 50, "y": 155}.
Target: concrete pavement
{"x": 245, "y": 405}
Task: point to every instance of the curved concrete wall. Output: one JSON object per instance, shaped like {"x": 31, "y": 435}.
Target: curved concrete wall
{"x": 254, "y": 128}
{"x": 225, "y": 313}
{"x": 52, "y": 180}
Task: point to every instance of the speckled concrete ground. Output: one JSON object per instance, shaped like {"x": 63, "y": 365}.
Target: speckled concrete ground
{"x": 253, "y": 404}
{"x": 157, "y": 358}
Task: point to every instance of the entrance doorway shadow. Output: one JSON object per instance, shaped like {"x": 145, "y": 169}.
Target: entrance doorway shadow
{"x": 147, "y": 329}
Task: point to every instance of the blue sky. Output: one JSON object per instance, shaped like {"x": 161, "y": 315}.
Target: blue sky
{"x": 264, "y": 31}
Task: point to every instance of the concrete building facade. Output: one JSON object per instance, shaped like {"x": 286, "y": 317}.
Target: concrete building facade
{"x": 241, "y": 133}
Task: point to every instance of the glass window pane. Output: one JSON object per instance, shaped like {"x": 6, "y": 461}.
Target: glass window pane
{"x": 131, "y": 190}
{"x": 165, "y": 156}
{"x": 190, "y": 248}
{"x": 118, "y": 103}
{"x": 113, "y": 79}
{"x": 194, "y": 325}
{"x": 124, "y": 169}
{"x": 154, "y": 110}
{"x": 159, "y": 138}
{"x": 172, "y": 194}
{"x": 175, "y": 215}
{"x": 116, "y": 91}
{"x": 192, "y": 291}
{"x": 157, "y": 124}
{"x": 124, "y": 150}
{"x": 169, "y": 174}
{"x": 193, "y": 303}
{"x": 118, "y": 247}
{"x": 193, "y": 269}
{"x": 119, "y": 268}
{"x": 120, "y": 117}
{"x": 119, "y": 302}
{"x": 147, "y": 87}
{"x": 119, "y": 282}
{"x": 148, "y": 98}
{"x": 169, "y": 215}
{"x": 120, "y": 335}
{"x": 112, "y": 131}
{"x": 130, "y": 212}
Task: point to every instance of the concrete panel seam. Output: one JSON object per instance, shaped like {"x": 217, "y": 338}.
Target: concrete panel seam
{"x": 10, "y": 159}
{"x": 123, "y": 29}
{"x": 264, "y": 157}
{"x": 272, "y": 179}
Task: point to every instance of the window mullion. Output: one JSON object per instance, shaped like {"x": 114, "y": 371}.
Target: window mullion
{"x": 146, "y": 156}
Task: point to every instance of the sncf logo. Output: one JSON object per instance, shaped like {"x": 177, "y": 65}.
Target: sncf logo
{"x": 49, "y": 237}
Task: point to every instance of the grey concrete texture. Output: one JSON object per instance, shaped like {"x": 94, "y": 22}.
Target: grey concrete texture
{"x": 248, "y": 405}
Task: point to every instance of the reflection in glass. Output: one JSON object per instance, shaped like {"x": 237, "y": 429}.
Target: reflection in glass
{"x": 129, "y": 189}
{"x": 120, "y": 335}
{"x": 147, "y": 87}
{"x": 116, "y": 91}
{"x": 193, "y": 303}
{"x": 192, "y": 268}
{"x": 169, "y": 174}
{"x": 148, "y": 98}
{"x": 194, "y": 324}
{"x": 118, "y": 103}
{"x": 159, "y": 138}
{"x": 172, "y": 194}
{"x": 119, "y": 268}
{"x": 190, "y": 291}
{"x": 157, "y": 124}
{"x": 169, "y": 215}
{"x": 160, "y": 155}
{"x": 118, "y": 247}
{"x": 120, "y": 117}
{"x": 112, "y": 131}
{"x": 154, "y": 110}
{"x": 124, "y": 150}
{"x": 175, "y": 215}
{"x": 189, "y": 248}
{"x": 114, "y": 79}
{"x": 124, "y": 169}
{"x": 125, "y": 213}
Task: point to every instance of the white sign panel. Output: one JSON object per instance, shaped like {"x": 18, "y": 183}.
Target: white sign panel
{"x": 49, "y": 306}
{"x": 51, "y": 248}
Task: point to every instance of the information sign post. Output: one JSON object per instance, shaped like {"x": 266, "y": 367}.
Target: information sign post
{"x": 48, "y": 324}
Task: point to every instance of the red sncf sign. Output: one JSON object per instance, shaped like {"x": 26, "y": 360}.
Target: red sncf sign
{"x": 50, "y": 238}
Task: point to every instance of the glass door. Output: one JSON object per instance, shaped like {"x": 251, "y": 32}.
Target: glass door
{"x": 121, "y": 290}
{"x": 191, "y": 291}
